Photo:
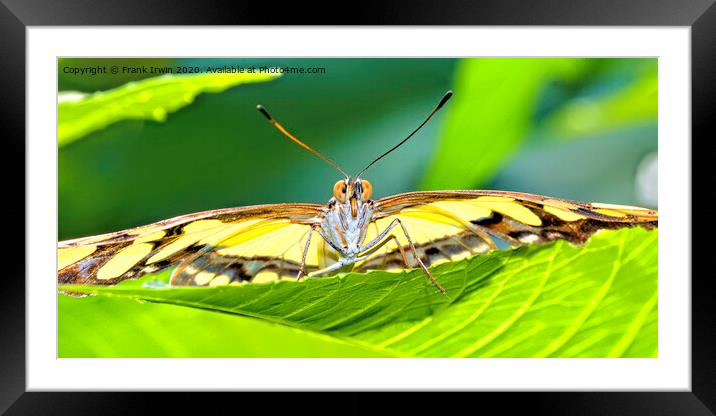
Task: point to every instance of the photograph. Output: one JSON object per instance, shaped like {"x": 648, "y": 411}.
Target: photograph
{"x": 283, "y": 207}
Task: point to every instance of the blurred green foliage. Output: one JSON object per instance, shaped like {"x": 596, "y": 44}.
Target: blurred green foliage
{"x": 508, "y": 106}
{"x": 491, "y": 116}
{"x": 570, "y": 128}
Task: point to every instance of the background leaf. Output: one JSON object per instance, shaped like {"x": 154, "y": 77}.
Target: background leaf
{"x": 504, "y": 106}
{"x": 151, "y": 99}
{"x": 491, "y": 114}
{"x": 557, "y": 300}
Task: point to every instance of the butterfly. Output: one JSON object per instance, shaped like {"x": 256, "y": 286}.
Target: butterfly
{"x": 351, "y": 232}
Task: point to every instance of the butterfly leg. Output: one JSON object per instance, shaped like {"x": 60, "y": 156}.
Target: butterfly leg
{"x": 382, "y": 235}
{"x": 332, "y": 268}
{"x": 338, "y": 265}
{"x": 382, "y": 243}
{"x": 305, "y": 253}
{"x": 365, "y": 255}
{"x": 415, "y": 253}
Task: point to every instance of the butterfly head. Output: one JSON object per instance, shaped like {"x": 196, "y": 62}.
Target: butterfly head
{"x": 353, "y": 192}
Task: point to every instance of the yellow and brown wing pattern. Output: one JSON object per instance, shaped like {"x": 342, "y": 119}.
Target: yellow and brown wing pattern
{"x": 449, "y": 225}
{"x": 213, "y": 247}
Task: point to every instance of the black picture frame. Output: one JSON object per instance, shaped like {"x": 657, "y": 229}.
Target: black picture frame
{"x": 16, "y": 15}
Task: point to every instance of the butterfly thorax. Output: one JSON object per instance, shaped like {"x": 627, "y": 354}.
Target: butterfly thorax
{"x": 349, "y": 213}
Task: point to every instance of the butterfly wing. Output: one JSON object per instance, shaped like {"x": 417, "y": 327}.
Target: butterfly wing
{"x": 266, "y": 242}
{"x": 212, "y": 247}
{"x": 448, "y": 225}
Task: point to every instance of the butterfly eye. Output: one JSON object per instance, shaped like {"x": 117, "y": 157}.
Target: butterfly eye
{"x": 367, "y": 190}
{"x": 339, "y": 191}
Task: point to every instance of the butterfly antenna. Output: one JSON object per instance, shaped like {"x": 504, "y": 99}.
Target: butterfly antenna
{"x": 446, "y": 97}
{"x": 298, "y": 142}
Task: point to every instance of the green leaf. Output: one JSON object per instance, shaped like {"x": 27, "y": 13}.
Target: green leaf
{"x": 151, "y": 99}
{"x": 557, "y": 300}
{"x": 113, "y": 326}
{"x": 490, "y": 116}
